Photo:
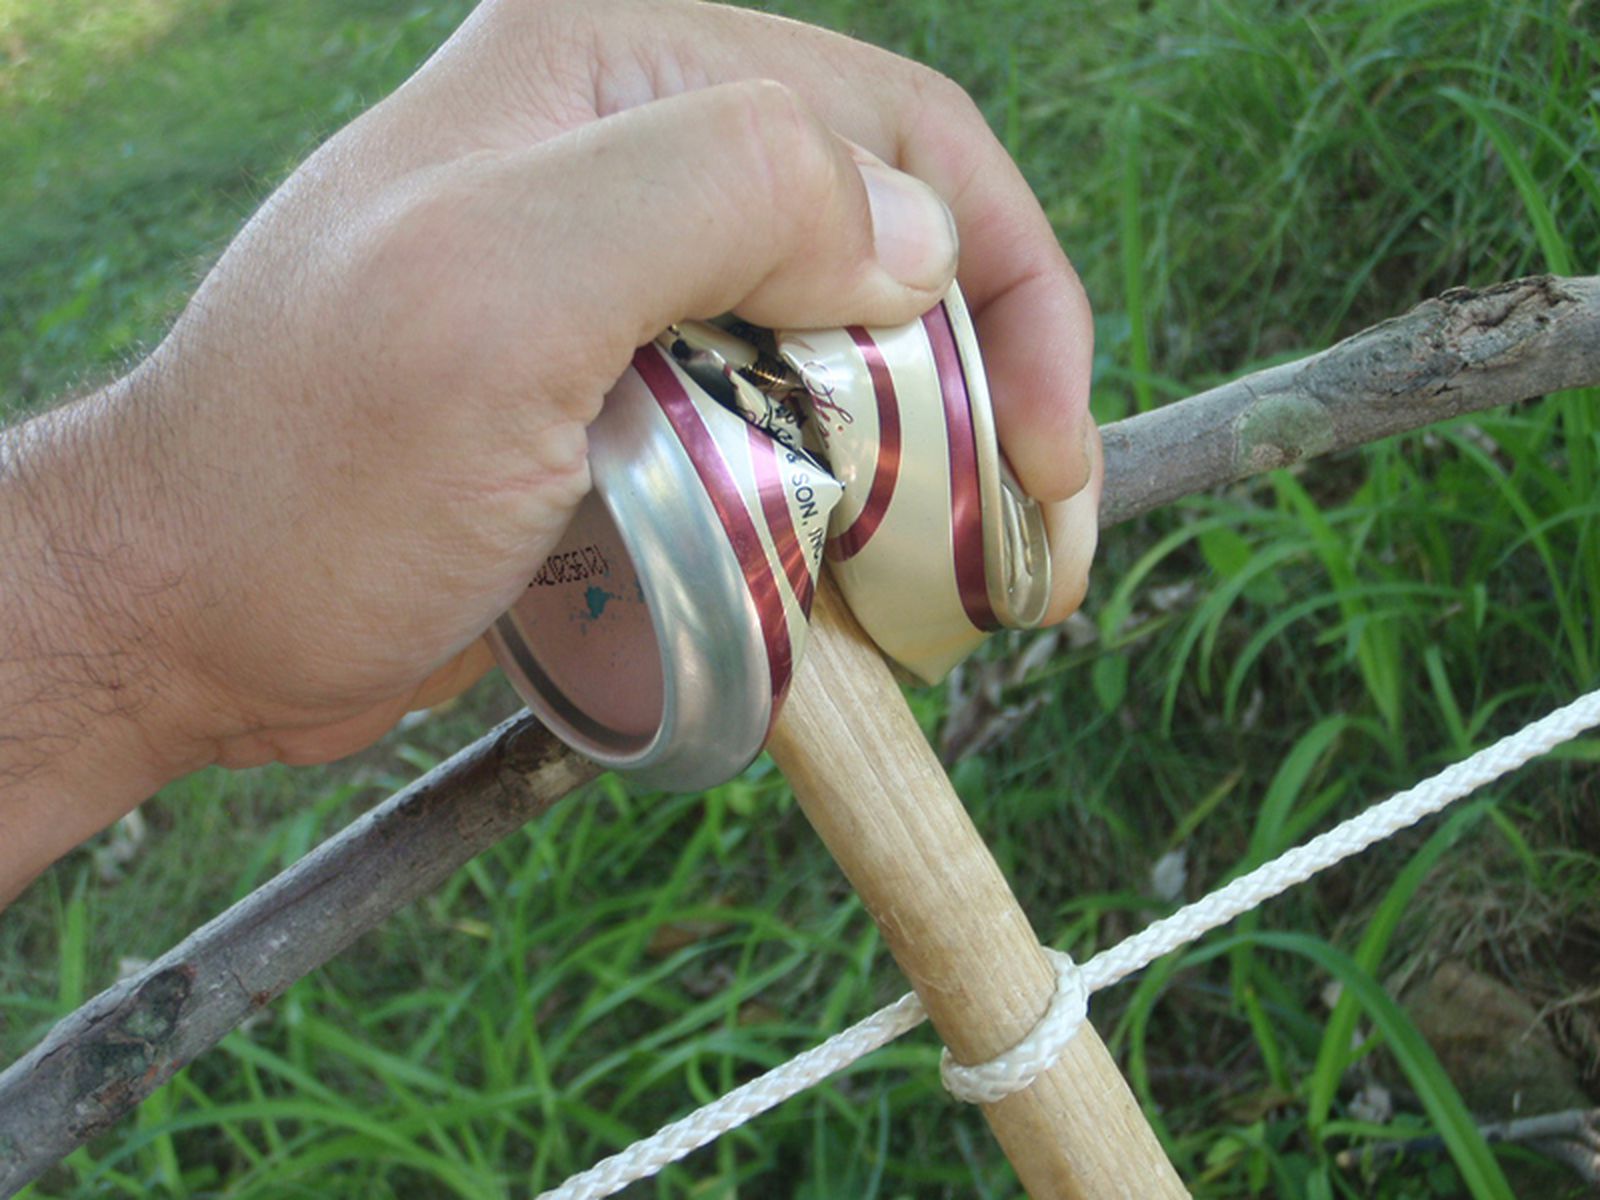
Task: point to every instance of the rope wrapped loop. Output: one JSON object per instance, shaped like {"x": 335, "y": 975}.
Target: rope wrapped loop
{"x": 1016, "y": 1068}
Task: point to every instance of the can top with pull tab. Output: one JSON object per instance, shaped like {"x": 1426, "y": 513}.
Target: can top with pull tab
{"x": 660, "y": 636}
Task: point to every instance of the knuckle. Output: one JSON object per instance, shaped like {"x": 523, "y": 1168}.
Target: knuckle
{"x": 785, "y": 163}
{"x": 764, "y": 104}
{"x": 937, "y": 93}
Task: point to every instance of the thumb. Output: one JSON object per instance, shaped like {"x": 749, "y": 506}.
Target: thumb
{"x": 733, "y": 197}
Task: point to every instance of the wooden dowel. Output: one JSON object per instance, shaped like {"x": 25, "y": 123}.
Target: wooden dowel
{"x": 876, "y": 793}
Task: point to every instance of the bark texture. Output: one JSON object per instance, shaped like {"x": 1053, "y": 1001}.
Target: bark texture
{"x": 100, "y": 1061}
{"x": 1466, "y": 350}
{"x": 1463, "y": 351}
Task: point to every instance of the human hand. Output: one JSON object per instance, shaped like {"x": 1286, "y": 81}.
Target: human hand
{"x": 367, "y": 429}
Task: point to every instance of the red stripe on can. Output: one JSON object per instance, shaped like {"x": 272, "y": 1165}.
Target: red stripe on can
{"x": 887, "y": 471}
{"x": 780, "y": 521}
{"x": 966, "y": 503}
{"x": 657, "y": 373}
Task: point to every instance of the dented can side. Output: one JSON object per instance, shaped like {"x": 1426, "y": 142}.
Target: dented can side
{"x": 661, "y": 634}
{"x": 935, "y": 544}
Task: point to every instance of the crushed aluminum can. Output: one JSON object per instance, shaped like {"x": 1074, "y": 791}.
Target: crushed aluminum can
{"x": 660, "y": 637}
{"x": 935, "y": 544}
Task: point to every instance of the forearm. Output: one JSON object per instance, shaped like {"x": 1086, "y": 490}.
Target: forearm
{"x": 94, "y": 715}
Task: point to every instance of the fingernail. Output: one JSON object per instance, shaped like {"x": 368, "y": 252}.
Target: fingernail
{"x": 913, "y": 233}
{"x": 1087, "y": 449}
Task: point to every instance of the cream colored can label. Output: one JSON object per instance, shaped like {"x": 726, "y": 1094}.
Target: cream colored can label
{"x": 729, "y": 462}
{"x": 919, "y": 543}
{"x": 773, "y": 502}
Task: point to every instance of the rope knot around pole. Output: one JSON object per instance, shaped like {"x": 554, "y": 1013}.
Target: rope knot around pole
{"x": 1016, "y": 1068}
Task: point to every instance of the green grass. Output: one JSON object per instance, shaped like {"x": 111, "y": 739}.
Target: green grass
{"x": 1238, "y": 183}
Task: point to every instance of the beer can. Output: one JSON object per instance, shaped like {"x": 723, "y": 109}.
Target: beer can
{"x": 935, "y": 544}
{"x": 660, "y": 637}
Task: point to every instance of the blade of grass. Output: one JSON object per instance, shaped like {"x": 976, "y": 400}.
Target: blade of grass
{"x": 1334, "y": 1056}
{"x": 1480, "y": 1172}
{"x": 1557, "y": 255}
{"x": 1131, "y": 217}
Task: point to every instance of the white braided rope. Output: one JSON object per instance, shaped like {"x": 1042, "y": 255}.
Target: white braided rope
{"x": 1400, "y": 811}
{"x": 706, "y": 1124}
{"x": 986, "y": 1082}
{"x": 646, "y": 1157}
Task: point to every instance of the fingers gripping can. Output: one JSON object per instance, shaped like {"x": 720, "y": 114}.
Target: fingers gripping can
{"x": 661, "y": 635}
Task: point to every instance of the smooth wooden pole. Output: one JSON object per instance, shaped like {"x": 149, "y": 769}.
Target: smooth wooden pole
{"x": 875, "y": 791}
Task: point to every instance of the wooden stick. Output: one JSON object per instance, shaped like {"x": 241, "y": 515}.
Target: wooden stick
{"x": 1461, "y": 352}
{"x": 875, "y": 792}
{"x": 1501, "y": 345}
{"x": 100, "y": 1061}
{"x": 1578, "y": 1128}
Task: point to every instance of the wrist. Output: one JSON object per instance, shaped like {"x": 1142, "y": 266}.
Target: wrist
{"x": 98, "y": 705}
